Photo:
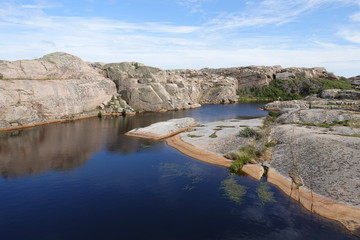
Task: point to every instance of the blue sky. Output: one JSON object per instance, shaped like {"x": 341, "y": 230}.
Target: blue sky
{"x": 187, "y": 33}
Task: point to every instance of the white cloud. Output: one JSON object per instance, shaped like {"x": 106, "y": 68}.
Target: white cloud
{"x": 193, "y": 5}
{"x": 270, "y": 12}
{"x": 355, "y": 17}
{"x": 28, "y": 32}
{"x": 350, "y": 35}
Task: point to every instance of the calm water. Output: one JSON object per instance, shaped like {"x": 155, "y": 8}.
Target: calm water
{"x": 86, "y": 180}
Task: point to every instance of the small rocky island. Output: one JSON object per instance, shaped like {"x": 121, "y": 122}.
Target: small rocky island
{"x": 309, "y": 145}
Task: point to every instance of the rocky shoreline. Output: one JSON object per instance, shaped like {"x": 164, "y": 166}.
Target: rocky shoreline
{"x": 318, "y": 169}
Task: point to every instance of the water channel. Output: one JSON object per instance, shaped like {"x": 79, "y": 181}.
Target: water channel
{"x": 86, "y": 180}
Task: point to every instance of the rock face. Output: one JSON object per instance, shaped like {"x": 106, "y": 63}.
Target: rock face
{"x": 149, "y": 88}
{"x": 355, "y": 81}
{"x": 317, "y": 72}
{"x": 60, "y": 85}
{"x": 27, "y": 96}
{"x": 327, "y": 163}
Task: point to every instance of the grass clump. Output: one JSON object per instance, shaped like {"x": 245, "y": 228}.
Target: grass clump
{"x": 270, "y": 144}
{"x": 243, "y": 156}
{"x": 193, "y": 136}
{"x": 213, "y": 135}
{"x": 273, "y": 113}
{"x": 224, "y": 126}
{"x": 99, "y": 115}
{"x": 250, "y": 133}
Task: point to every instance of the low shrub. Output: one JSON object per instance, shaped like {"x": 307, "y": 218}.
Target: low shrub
{"x": 249, "y": 132}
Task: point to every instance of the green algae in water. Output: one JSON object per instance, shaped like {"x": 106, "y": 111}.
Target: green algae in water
{"x": 187, "y": 171}
{"x": 233, "y": 191}
{"x": 264, "y": 194}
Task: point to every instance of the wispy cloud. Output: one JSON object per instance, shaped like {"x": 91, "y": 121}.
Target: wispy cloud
{"x": 270, "y": 12}
{"x": 195, "y": 6}
{"x": 29, "y": 31}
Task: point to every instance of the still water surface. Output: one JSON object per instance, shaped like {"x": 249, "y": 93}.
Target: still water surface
{"x": 86, "y": 180}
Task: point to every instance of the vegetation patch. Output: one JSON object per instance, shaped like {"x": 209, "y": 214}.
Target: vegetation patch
{"x": 224, "y": 126}
{"x": 345, "y": 123}
{"x": 250, "y": 133}
{"x": 264, "y": 194}
{"x": 292, "y": 89}
{"x": 193, "y": 136}
{"x": 213, "y": 135}
{"x": 232, "y": 190}
{"x": 243, "y": 156}
{"x": 270, "y": 144}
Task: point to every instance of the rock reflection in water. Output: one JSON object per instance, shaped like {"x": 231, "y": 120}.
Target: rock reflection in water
{"x": 57, "y": 146}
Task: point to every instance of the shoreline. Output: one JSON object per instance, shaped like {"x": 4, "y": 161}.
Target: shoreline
{"x": 347, "y": 215}
{"x": 60, "y": 121}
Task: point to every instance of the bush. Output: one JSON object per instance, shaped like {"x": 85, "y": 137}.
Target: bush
{"x": 273, "y": 113}
{"x": 293, "y": 89}
{"x": 249, "y": 132}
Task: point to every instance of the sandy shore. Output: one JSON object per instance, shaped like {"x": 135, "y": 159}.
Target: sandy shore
{"x": 197, "y": 153}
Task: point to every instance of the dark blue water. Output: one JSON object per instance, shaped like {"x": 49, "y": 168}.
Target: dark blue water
{"x": 85, "y": 180}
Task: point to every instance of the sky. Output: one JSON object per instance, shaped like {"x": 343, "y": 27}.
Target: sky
{"x": 173, "y": 34}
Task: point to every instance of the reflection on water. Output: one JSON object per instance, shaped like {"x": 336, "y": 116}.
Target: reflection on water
{"x": 126, "y": 188}
{"x": 65, "y": 146}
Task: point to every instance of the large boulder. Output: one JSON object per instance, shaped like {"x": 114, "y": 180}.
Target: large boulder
{"x": 56, "y": 86}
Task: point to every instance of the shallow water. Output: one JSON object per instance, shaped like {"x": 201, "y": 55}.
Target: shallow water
{"x": 86, "y": 180}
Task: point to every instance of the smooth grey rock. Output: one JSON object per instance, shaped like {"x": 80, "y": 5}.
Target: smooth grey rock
{"x": 328, "y": 163}
{"x": 164, "y": 129}
{"x": 317, "y": 116}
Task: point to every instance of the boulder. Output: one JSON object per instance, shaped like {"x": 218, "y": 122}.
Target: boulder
{"x": 56, "y": 86}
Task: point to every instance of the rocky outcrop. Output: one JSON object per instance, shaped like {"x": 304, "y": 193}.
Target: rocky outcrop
{"x": 318, "y": 116}
{"x": 165, "y": 129}
{"x": 317, "y": 72}
{"x": 328, "y": 99}
{"x": 61, "y": 86}
{"x": 54, "y": 66}
{"x": 355, "y": 81}
{"x": 153, "y": 89}
{"x": 340, "y": 94}
{"x": 327, "y": 164}
{"x": 56, "y": 86}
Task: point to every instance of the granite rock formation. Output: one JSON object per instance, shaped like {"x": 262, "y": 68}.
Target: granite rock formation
{"x": 61, "y": 86}
{"x": 56, "y": 86}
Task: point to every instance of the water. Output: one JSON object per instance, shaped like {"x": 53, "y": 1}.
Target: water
{"x": 86, "y": 180}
